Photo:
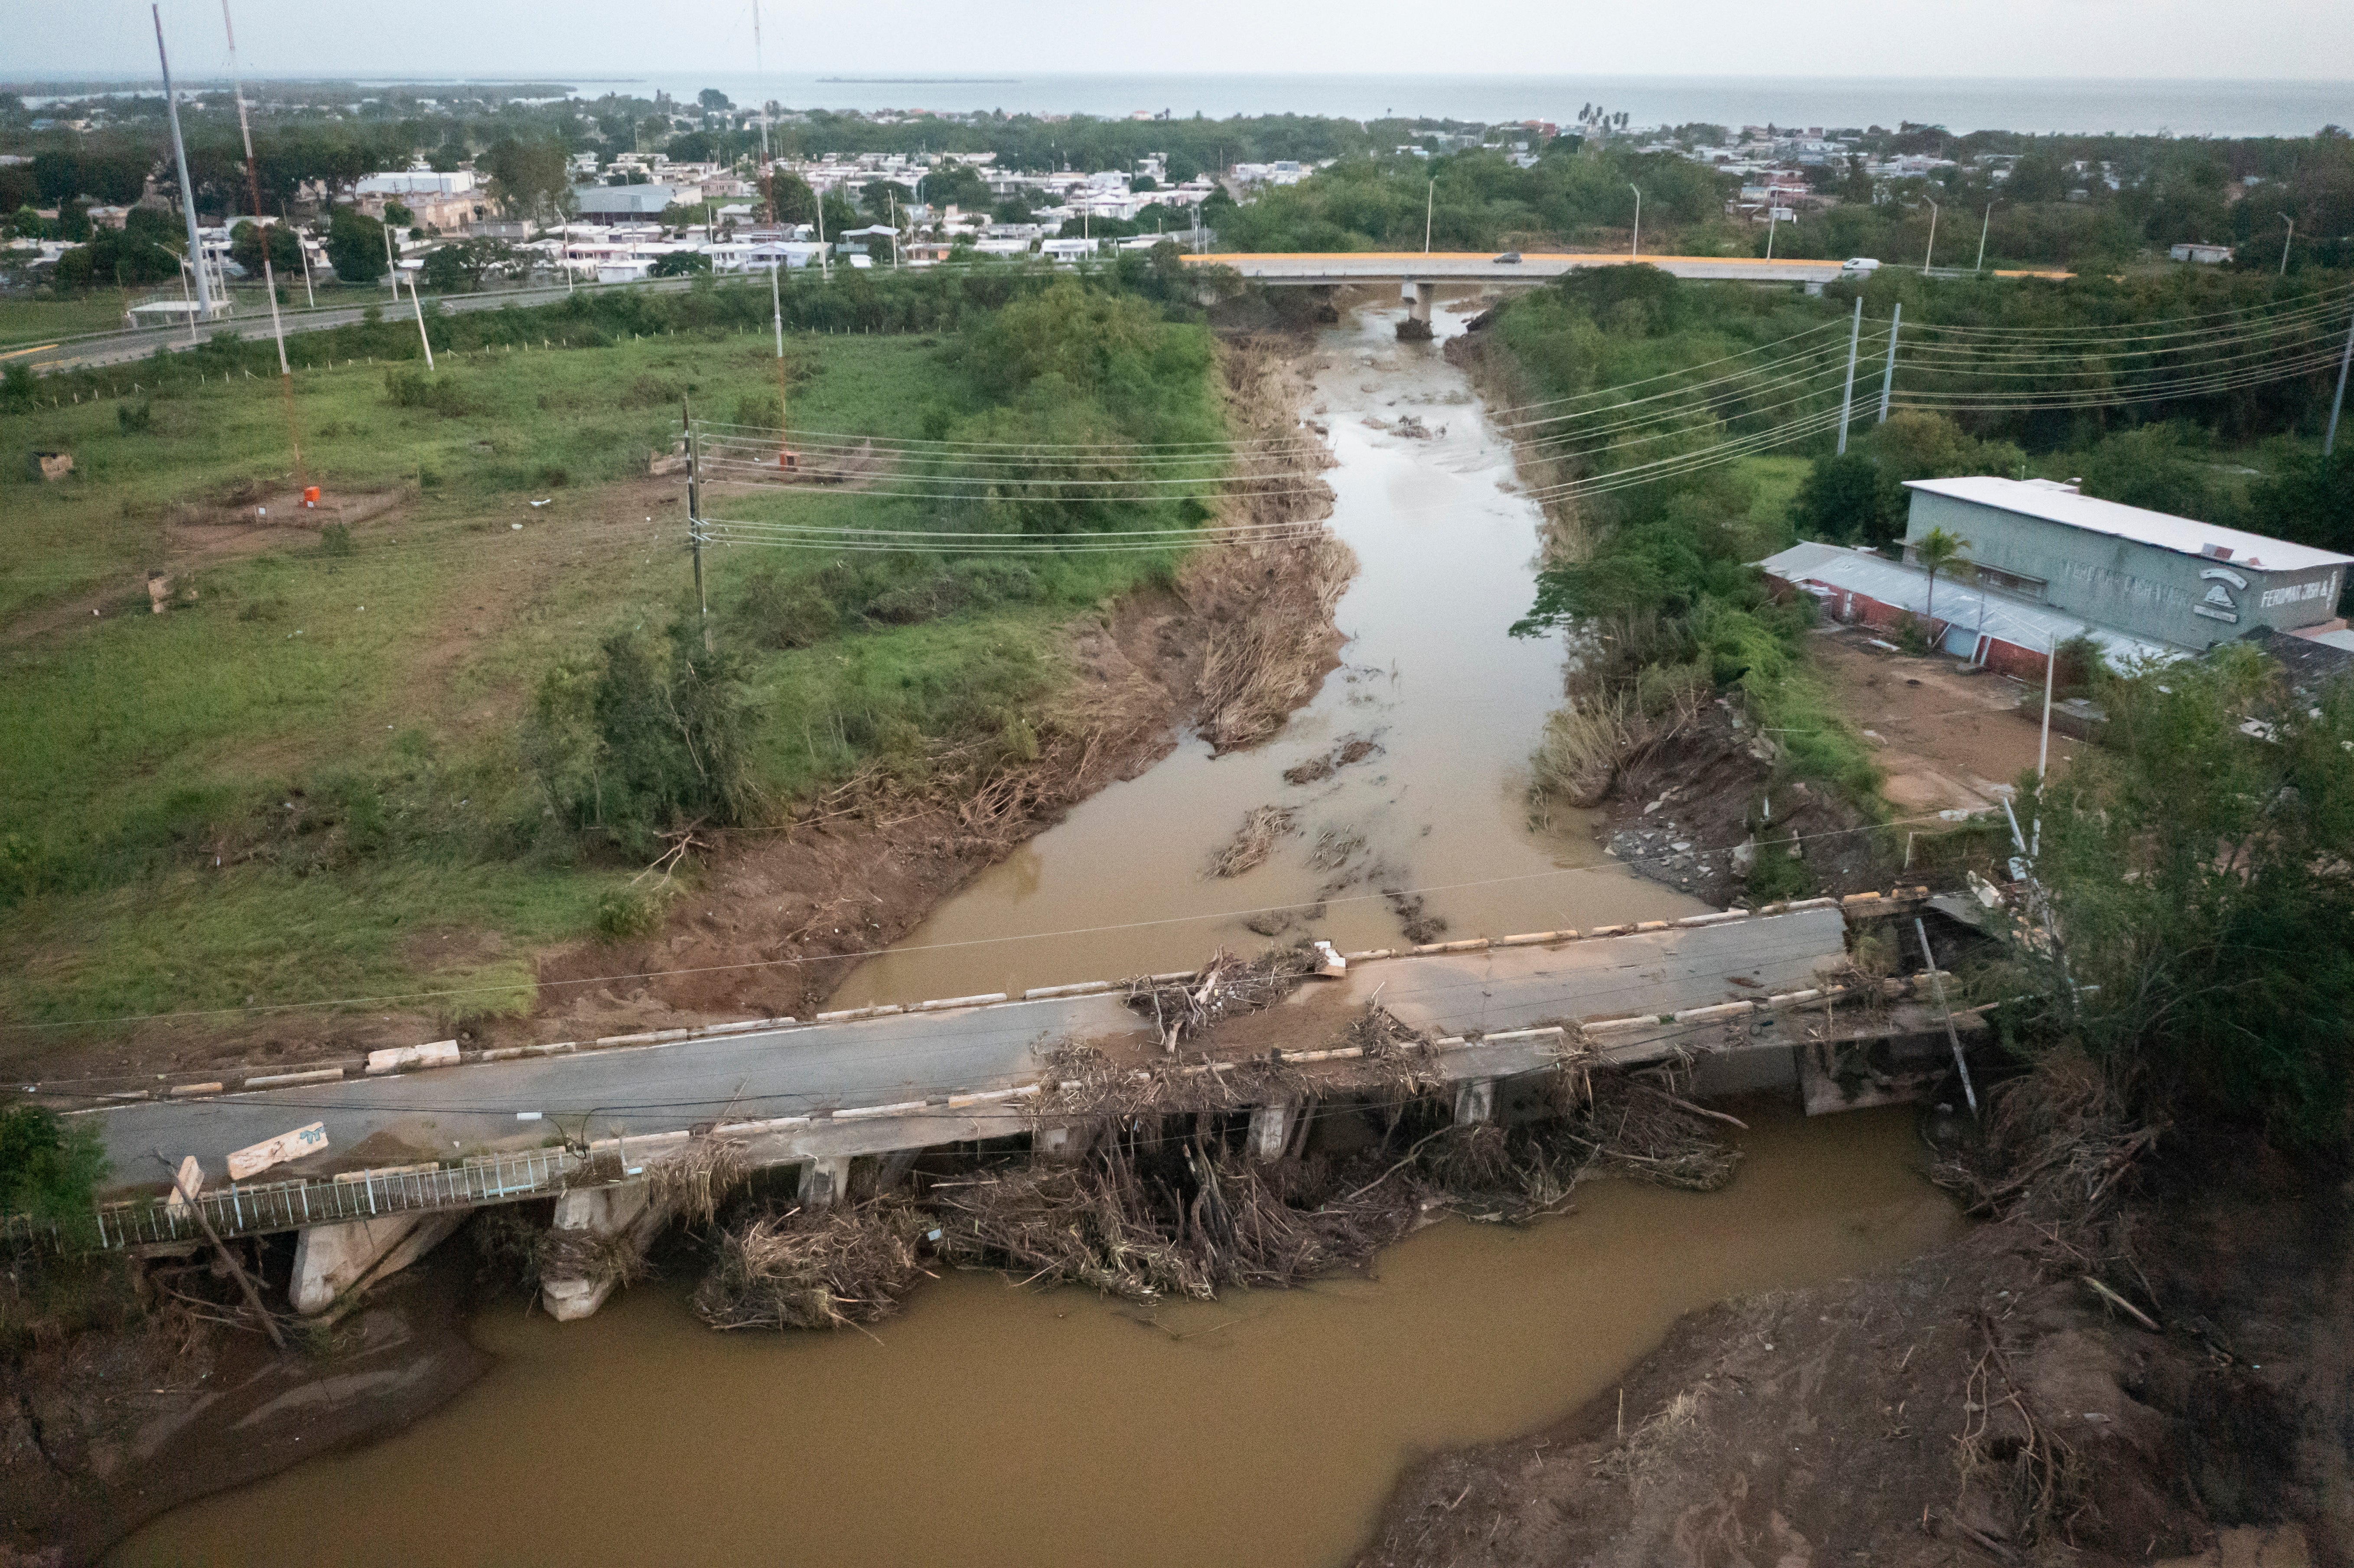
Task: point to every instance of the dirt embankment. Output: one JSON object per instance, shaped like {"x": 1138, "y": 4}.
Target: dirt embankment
{"x": 101, "y": 1431}
{"x": 1983, "y": 1405}
{"x": 1240, "y": 641}
{"x": 1695, "y": 807}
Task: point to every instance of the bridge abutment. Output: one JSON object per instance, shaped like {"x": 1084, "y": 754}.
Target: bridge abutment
{"x": 332, "y": 1261}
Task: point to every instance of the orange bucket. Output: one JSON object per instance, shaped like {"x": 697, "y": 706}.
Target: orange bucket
{"x": 311, "y": 496}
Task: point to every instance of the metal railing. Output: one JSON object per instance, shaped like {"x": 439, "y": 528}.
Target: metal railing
{"x": 253, "y": 1209}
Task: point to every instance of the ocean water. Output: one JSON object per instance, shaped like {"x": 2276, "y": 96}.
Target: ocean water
{"x": 2185, "y": 108}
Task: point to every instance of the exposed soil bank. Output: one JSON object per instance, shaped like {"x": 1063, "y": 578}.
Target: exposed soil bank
{"x": 104, "y": 1430}
{"x": 1927, "y": 1414}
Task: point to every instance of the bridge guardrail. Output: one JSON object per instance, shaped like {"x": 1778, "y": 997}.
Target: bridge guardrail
{"x": 253, "y": 1210}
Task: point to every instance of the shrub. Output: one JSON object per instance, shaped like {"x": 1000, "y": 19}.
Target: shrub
{"x": 335, "y": 539}
{"x": 624, "y": 912}
{"x": 135, "y": 417}
{"x": 415, "y": 389}
{"x": 49, "y": 1168}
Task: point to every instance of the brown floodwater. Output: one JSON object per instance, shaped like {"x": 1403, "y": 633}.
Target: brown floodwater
{"x": 1447, "y": 549}
{"x": 991, "y": 1424}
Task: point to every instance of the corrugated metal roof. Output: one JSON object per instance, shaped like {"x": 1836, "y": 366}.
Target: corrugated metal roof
{"x": 2056, "y": 504}
{"x": 1959, "y": 603}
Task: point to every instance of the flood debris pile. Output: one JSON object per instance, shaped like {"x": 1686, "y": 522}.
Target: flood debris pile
{"x": 1172, "y": 1181}
{"x": 827, "y": 1270}
{"x": 1184, "y": 1009}
{"x": 1187, "y": 1218}
{"x": 1253, "y": 841}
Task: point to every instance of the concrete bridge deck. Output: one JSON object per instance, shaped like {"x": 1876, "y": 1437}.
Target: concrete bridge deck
{"x": 409, "y": 1152}
{"x": 914, "y": 1057}
{"x": 1326, "y": 269}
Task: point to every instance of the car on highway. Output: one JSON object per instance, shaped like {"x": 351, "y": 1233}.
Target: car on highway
{"x": 1859, "y": 267}
{"x": 1509, "y": 258}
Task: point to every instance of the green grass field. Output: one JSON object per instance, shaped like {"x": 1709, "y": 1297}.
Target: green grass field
{"x": 270, "y": 791}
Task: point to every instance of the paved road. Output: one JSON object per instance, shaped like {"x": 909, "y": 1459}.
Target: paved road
{"x": 90, "y": 350}
{"x": 918, "y": 1056}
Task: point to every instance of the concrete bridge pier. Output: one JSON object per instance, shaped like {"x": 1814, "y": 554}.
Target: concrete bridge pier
{"x": 1475, "y": 1101}
{"x": 892, "y": 1169}
{"x": 331, "y": 1261}
{"x": 627, "y": 1216}
{"x": 825, "y": 1181}
{"x": 1419, "y": 297}
{"x": 1064, "y": 1144}
{"x": 1271, "y": 1130}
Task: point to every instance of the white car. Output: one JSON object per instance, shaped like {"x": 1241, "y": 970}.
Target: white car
{"x": 1858, "y": 267}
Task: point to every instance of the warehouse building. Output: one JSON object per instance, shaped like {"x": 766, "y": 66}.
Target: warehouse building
{"x": 2043, "y": 563}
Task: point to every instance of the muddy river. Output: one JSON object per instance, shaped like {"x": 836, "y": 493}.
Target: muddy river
{"x": 991, "y": 1424}
{"x": 994, "y": 1424}
{"x": 1430, "y": 676}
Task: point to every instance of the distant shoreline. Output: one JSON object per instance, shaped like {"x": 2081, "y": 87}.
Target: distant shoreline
{"x": 924, "y": 80}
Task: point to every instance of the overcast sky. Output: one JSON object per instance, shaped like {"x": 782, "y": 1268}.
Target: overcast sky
{"x": 1581, "y": 38}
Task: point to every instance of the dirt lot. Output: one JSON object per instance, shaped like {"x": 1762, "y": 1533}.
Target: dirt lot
{"x": 1948, "y": 739}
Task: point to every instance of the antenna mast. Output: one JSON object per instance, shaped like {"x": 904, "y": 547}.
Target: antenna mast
{"x": 187, "y": 191}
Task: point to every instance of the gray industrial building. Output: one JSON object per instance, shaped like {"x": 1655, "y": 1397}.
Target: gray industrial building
{"x": 2156, "y": 577}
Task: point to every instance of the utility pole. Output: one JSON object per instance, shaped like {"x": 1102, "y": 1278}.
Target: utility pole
{"x": 1985, "y": 224}
{"x": 1888, "y": 376}
{"x": 1847, "y": 394}
{"x": 1636, "y": 252}
{"x": 1930, "y": 258}
{"x": 1773, "y": 216}
{"x": 421, "y": 336}
{"x": 2338, "y": 403}
{"x": 180, "y": 155}
{"x": 2287, "y": 241}
{"x": 309, "y": 296}
{"x": 694, "y": 517}
{"x": 391, "y": 261}
{"x": 1429, "y": 204}
{"x": 269, "y": 274}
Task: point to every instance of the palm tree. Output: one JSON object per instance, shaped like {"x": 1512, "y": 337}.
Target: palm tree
{"x": 1934, "y": 552}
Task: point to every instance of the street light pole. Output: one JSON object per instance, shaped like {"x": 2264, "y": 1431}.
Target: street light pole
{"x": 2289, "y": 239}
{"x": 1847, "y": 394}
{"x": 1635, "y": 253}
{"x": 2338, "y": 403}
{"x": 1929, "y": 259}
{"x": 1429, "y": 203}
{"x": 1986, "y": 224}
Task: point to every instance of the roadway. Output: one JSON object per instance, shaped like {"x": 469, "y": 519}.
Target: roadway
{"x": 918, "y": 1056}
{"x": 89, "y": 350}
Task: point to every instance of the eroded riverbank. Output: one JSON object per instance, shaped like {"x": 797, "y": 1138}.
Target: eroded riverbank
{"x": 992, "y": 1424}
{"x": 1402, "y": 785}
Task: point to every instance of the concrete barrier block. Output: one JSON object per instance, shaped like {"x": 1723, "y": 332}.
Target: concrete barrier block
{"x": 1470, "y": 945}
{"x": 942, "y": 1004}
{"x": 1615, "y": 1025}
{"x": 1650, "y": 925}
{"x": 288, "y": 1080}
{"x": 749, "y": 1025}
{"x": 652, "y": 1037}
{"x": 1716, "y": 919}
{"x": 854, "y": 1014}
{"x": 1536, "y": 938}
{"x": 1369, "y": 956}
{"x": 1792, "y": 997}
{"x": 1173, "y": 977}
{"x": 1854, "y": 900}
{"x": 1722, "y": 1010}
{"x": 180, "y": 1090}
{"x": 1799, "y": 904}
{"x": 1606, "y": 931}
{"x": 1514, "y": 1035}
{"x": 1082, "y": 988}
{"x": 400, "y": 1058}
{"x": 861, "y": 1113}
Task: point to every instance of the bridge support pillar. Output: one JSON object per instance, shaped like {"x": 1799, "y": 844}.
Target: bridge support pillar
{"x": 1064, "y": 1144}
{"x": 1475, "y": 1101}
{"x": 332, "y": 1261}
{"x": 893, "y": 1168}
{"x": 1419, "y": 297}
{"x": 825, "y": 1181}
{"x": 1270, "y": 1129}
{"x": 590, "y": 1222}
